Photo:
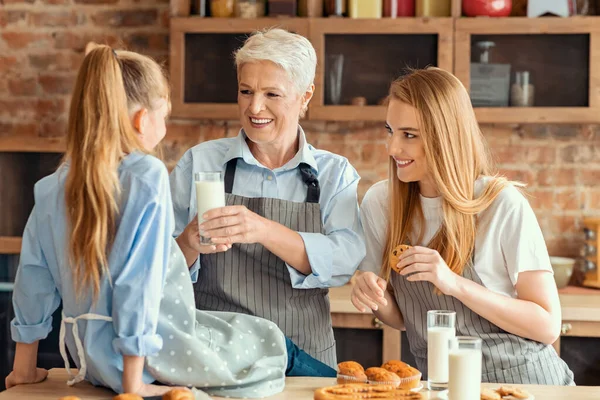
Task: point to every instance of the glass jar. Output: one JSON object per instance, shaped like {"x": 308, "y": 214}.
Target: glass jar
{"x": 522, "y": 91}
{"x": 250, "y": 8}
{"x": 222, "y": 8}
{"x": 335, "y": 8}
{"x": 285, "y": 8}
{"x": 398, "y": 8}
{"x": 433, "y": 8}
{"x": 365, "y": 8}
{"x": 310, "y": 8}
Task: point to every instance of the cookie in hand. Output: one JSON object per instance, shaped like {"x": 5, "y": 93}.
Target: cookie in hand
{"x": 395, "y": 256}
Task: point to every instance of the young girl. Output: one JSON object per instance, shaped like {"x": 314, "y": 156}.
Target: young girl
{"x": 100, "y": 239}
{"x": 477, "y": 247}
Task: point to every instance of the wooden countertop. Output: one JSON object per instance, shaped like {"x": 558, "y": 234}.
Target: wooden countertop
{"x": 296, "y": 389}
{"x": 578, "y": 304}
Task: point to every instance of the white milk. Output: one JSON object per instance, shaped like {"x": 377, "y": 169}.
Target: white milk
{"x": 437, "y": 353}
{"x": 465, "y": 374}
{"x": 209, "y": 194}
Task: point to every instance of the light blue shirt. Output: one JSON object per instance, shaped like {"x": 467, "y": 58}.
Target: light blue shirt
{"x": 334, "y": 255}
{"x": 137, "y": 264}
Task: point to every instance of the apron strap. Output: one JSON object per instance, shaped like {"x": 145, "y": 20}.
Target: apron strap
{"x": 80, "y": 353}
{"x": 308, "y": 177}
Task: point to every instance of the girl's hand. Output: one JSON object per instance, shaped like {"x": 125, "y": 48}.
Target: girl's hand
{"x": 190, "y": 238}
{"x": 13, "y": 379}
{"x": 368, "y": 292}
{"x": 234, "y": 224}
{"x": 427, "y": 265}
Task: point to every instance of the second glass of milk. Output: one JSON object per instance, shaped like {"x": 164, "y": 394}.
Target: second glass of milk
{"x": 465, "y": 368}
{"x": 440, "y": 329}
{"x": 210, "y": 193}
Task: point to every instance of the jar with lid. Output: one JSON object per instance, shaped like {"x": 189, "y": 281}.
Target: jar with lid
{"x": 250, "y": 8}
{"x": 285, "y": 8}
{"x": 433, "y": 8}
{"x": 365, "y": 8}
{"x": 335, "y": 8}
{"x": 522, "y": 91}
{"x": 222, "y": 8}
{"x": 398, "y": 8}
{"x": 310, "y": 8}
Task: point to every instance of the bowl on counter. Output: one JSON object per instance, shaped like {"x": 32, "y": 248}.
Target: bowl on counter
{"x": 563, "y": 269}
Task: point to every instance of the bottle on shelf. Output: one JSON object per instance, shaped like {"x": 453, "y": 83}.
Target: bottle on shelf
{"x": 335, "y": 8}
{"x": 522, "y": 91}
{"x": 310, "y": 8}
{"x": 433, "y": 8}
{"x": 398, "y": 8}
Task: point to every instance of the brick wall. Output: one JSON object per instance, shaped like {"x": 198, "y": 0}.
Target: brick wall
{"x": 41, "y": 46}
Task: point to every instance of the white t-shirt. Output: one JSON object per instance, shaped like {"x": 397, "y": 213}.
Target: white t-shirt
{"x": 509, "y": 239}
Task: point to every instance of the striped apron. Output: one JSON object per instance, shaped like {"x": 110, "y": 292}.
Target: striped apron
{"x": 507, "y": 358}
{"x": 250, "y": 279}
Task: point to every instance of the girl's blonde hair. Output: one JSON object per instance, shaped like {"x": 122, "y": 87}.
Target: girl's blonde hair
{"x": 110, "y": 87}
{"x": 456, "y": 156}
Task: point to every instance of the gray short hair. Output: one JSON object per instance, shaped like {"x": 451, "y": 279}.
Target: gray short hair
{"x": 292, "y": 52}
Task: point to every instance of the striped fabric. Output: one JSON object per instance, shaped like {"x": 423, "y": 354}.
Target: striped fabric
{"x": 250, "y": 279}
{"x": 507, "y": 358}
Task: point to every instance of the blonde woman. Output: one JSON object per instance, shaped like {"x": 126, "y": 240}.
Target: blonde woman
{"x": 477, "y": 246}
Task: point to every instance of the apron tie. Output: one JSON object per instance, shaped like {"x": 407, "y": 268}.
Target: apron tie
{"x": 80, "y": 353}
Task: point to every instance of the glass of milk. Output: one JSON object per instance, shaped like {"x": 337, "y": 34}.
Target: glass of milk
{"x": 465, "y": 368}
{"x": 210, "y": 193}
{"x": 440, "y": 329}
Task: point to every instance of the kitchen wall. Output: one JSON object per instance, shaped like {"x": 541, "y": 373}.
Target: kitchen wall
{"x": 41, "y": 46}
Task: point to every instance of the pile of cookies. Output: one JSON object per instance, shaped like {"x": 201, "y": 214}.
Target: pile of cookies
{"x": 504, "y": 391}
{"x": 393, "y": 373}
{"x": 358, "y": 391}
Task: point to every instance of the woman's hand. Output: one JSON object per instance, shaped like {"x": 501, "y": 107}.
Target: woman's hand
{"x": 13, "y": 379}
{"x": 234, "y": 224}
{"x": 368, "y": 292}
{"x": 427, "y": 265}
{"x": 190, "y": 240}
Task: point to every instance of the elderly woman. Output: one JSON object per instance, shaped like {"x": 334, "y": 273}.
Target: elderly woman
{"x": 290, "y": 228}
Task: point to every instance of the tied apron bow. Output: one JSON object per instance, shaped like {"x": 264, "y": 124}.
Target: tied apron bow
{"x": 80, "y": 353}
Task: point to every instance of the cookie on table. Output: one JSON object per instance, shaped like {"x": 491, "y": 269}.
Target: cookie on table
{"x": 128, "y": 396}
{"x": 513, "y": 391}
{"x": 489, "y": 394}
{"x": 365, "y": 391}
{"x": 178, "y": 394}
{"x": 395, "y": 256}
{"x": 69, "y": 398}
{"x": 351, "y": 372}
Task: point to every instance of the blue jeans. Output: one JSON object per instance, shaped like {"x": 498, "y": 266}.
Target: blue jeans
{"x": 302, "y": 364}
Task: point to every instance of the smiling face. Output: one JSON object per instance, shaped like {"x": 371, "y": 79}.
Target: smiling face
{"x": 406, "y": 147}
{"x": 269, "y": 105}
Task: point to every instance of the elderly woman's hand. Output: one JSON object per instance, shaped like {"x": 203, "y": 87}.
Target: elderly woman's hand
{"x": 234, "y": 224}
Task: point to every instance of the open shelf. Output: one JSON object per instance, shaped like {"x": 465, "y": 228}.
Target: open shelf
{"x": 203, "y": 75}
{"x": 560, "y": 54}
{"x": 20, "y": 172}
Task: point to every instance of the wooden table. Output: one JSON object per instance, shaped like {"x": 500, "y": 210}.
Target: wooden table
{"x": 296, "y": 389}
{"x": 580, "y": 315}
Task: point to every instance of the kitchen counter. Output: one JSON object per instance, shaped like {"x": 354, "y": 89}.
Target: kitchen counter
{"x": 296, "y": 389}
{"x": 580, "y": 315}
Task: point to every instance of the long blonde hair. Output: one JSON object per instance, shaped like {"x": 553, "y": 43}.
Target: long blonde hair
{"x": 456, "y": 156}
{"x": 109, "y": 85}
